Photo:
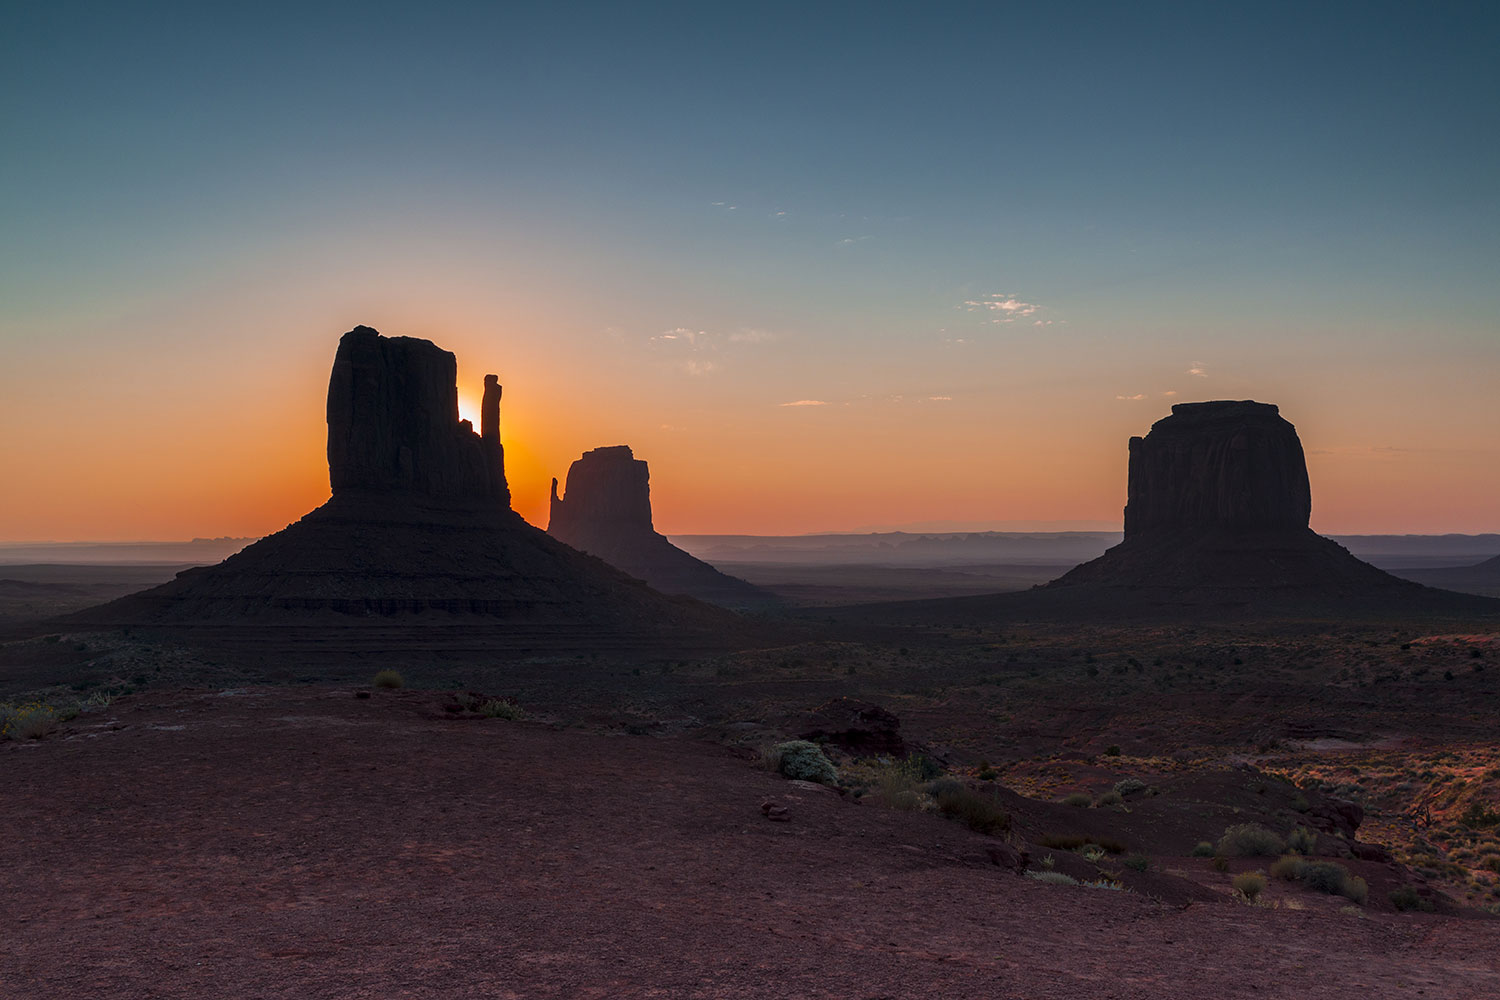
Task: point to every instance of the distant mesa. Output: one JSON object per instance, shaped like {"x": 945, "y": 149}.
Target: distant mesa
{"x": 606, "y": 511}
{"x": 419, "y": 524}
{"x": 1217, "y": 509}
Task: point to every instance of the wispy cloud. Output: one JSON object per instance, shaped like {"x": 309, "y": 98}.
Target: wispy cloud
{"x": 849, "y": 241}
{"x": 1007, "y": 308}
{"x": 806, "y": 402}
{"x": 1199, "y": 369}
{"x": 1139, "y": 395}
{"x": 693, "y": 366}
{"x": 1170, "y": 392}
{"x": 751, "y": 336}
{"x": 683, "y": 333}
{"x": 940, "y": 399}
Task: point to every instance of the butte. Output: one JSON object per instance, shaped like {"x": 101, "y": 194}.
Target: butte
{"x": 606, "y": 511}
{"x": 1217, "y": 512}
{"x": 418, "y": 532}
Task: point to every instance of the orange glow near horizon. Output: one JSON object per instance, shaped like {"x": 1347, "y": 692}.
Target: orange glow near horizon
{"x": 206, "y": 446}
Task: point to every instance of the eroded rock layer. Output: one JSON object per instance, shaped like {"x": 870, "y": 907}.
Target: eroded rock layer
{"x": 606, "y": 511}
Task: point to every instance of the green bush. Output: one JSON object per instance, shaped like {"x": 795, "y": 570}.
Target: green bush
{"x": 1110, "y": 798}
{"x": 1289, "y": 868}
{"x": 1203, "y": 850}
{"x": 976, "y": 810}
{"x": 1249, "y": 885}
{"x": 1129, "y": 786}
{"x": 1221, "y": 863}
{"x": 389, "y": 679}
{"x": 1302, "y": 841}
{"x": 1406, "y": 898}
{"x": 804, "y": 761}
{"x": 1079, "y": 800}
{"x": 1136, "y": 862}
{"x": 30, "y": 721}
{"x": 499, "y": 708}
{"x": 1248, "y": 840}
{"x": 1052, "y": 878}
{"x": 1334, "y": 879}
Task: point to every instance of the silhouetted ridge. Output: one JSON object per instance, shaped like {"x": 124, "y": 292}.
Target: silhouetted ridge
{"x": 1217, "y": 510}
{"x": 606, "y": 511}
{"x": 419, "y": 521}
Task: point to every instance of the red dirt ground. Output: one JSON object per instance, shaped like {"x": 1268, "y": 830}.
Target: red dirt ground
{"x": 295, "y": 842}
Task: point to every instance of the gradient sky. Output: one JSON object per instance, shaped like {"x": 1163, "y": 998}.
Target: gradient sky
{"x": 825, "y": 266}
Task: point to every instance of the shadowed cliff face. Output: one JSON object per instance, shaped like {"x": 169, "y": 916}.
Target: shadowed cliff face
{"x": 1217, "y": 515}
{"x": 606, "y": 512}
{"x": 1232, "y": 466}
{"x": 393, "y": 422}
{"x": 607, "y": 489}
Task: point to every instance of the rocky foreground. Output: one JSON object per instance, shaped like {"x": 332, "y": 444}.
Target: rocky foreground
{"x": 305, "y": 842}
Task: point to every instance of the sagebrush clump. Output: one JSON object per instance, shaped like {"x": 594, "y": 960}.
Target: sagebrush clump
{"x": 976, "y": 810}
{"x": 804, "y": 761}
{"x": 30, "y": 721}
{"x": 1249, "y": 885}
{"x": 1250, "y": 840}
{"x": 390, "y": 679}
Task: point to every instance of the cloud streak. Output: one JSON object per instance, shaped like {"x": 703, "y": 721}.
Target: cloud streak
{"x": 1007, "y": 308}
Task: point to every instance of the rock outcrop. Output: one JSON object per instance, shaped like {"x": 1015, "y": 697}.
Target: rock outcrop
{"x": 606, "y": 511}
{"x": 393, "y": 422}
{"x": 419, "y": 522}
{"x": 1236, "y": 466}
{"x": 1217, "y": 512}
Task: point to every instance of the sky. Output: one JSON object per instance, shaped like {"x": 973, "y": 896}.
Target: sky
{"x": 824, "y": 266}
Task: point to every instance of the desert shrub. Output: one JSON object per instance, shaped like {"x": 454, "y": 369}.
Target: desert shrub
{"x": 499, "y": 708}
{"x": 804, "y": 761}
{"x": 1110, "y": 798}
{"x": 1103, "y": 883}
{"x": 1052, "y": 878}
{"x": 900, "y": 785}
{"x": 1289, "y": 868}
{"x": 1406, "y": 898}
{"x": 1300, "y": 803}
{"x": 1221, "y": 863}
{"x": 976, "y": 810}
{"x": 1301, "y": 841}
{"x": 389, "y": 679}
{"x": 1092, "y": 852}
{"x": 1074, "y": 841}
{"x": 1479, "y": 817}
{"x": 1334, "y": 879}
{"x": 1136, "y": 862}
{"x": 97, "y": 701}
{"x": 1112, "y": 750}
{"x": 1129, "y": 786}
{"x": 1078, "y": 799}
{"x": 1203, "y": 850}
{"x": 1249, "y": 884}
{"x": 30, "y": 721}
{"x": 1249, "y": 840}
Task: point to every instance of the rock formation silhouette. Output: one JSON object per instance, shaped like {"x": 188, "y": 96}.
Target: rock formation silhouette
{"x": 393, "y": 422}
{"x": 606, "y": 511}
{"x": 1218, "y": 504}
{"x": 419, "y": 524}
